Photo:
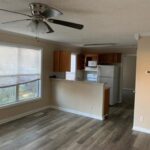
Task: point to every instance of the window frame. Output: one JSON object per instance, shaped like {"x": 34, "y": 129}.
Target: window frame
{"x": 17, "y": 102}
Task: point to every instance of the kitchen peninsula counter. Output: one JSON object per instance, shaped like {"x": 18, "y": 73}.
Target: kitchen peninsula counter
{"x": 79, "y": 97}
{"x": 82, "y": 81}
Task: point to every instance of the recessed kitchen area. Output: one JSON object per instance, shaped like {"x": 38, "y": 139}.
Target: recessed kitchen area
{"x": 86, "y": 83}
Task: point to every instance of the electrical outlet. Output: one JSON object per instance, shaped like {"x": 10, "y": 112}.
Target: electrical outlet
{"x": 147, "y": 72}
{"x": 141, "y": 118}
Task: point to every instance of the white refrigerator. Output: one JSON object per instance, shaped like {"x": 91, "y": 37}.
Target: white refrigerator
{"x": 110, "y": 75}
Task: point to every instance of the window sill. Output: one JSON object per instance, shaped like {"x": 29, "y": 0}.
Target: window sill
{"x": 20, "y": 103}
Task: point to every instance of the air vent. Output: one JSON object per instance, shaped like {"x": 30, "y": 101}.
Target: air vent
{"x": 100, "y": 44}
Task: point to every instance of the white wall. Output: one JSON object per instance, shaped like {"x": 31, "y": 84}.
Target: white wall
{"x": 142, "y": 96}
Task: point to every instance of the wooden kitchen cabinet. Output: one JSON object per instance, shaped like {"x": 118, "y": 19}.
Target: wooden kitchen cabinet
{"x": 106, "y": 102}
{"x": 61, "y": 61}
{"x": 117, "y": 57}
{"x": 80, "y": 61}
{"x": 56, "y": 58}
{"x": 110, "y": 58}
{"x": 103, "y": 58}
{"x": 67, "y": 61}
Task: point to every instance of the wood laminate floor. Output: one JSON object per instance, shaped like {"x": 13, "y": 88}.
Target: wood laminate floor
{"x": 56, "y": 130}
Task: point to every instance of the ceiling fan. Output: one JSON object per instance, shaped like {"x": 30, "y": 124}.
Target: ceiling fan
{"x": 42, "y": 13}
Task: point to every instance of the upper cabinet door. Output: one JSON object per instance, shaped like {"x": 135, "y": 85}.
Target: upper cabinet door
{"x": 62, "y": 61}
{"x": 56, "y": 61}
{"x": 65, "y": 61}
{"x": 80, "y": 61}
{"x": 68, "y": 61}
{"x": 110, "y": 58}
{"x": 117, "y": 57}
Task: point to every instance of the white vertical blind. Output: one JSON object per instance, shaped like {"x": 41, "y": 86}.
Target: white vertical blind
{"x": 23, "y": 64}
{"x": 73, "y": 62}
{"x": 29, "y": 61}
{"x": 8, "y": 60}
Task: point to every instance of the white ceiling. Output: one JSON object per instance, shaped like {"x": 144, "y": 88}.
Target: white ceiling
{"x": 105, "y": 21}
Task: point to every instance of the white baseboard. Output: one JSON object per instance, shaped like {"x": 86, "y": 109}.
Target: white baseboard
{"x": 23, "y": 115}
{"x": 139, "y": 129}
{"x": 78, "y": 112}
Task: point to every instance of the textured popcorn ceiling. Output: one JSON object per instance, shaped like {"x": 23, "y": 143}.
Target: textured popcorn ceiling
{"x": 105, "y": 21}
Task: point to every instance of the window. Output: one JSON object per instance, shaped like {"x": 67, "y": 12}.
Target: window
{"x": 20, "y": 74}
{"x": 73, "y": 62}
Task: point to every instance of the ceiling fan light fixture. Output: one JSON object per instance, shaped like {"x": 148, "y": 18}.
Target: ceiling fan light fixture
{"x": 42, "y": 28}
{"x": 32, "y": 26}
{"x": 38, "y": 27}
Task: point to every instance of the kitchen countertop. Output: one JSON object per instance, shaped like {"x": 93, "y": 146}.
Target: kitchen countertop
{"x": 80, "y": 81}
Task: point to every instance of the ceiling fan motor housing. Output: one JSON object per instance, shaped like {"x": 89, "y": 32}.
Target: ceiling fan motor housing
{"x": 38, "y": 8}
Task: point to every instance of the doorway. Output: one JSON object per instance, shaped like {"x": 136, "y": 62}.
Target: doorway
{"x": 128, "y": 79}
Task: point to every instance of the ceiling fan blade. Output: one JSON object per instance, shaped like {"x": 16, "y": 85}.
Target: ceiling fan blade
{"x": 15, "y": 12}
{"x": 65, "y": 23}
{"x": 51, "y": 12}
{"x": 50, "y": 30}
{"x": 14, "y": 21}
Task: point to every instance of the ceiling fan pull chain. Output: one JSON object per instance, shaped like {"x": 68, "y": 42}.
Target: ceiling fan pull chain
{"x": 36, "y": 32}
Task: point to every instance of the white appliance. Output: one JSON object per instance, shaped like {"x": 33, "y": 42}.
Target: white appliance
{"x": 92, "y": 63}
{"x": 91, "y": 74}
{"x": 91, "y": 69}
{"x": 108, "y": 74}
{"x": 70, "y": 76}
